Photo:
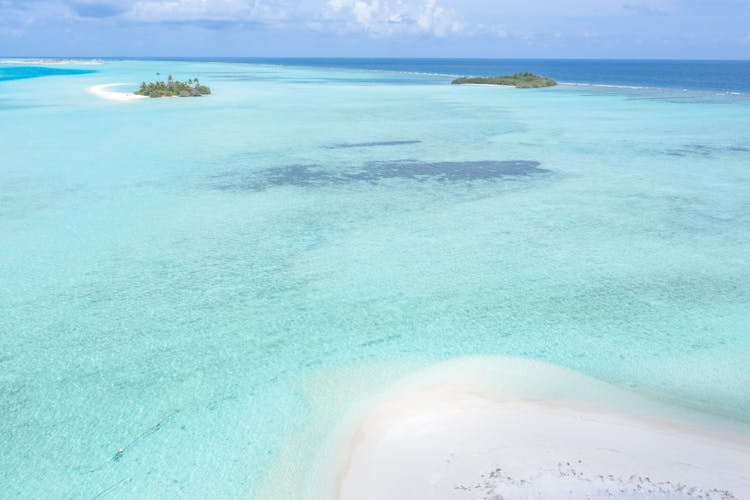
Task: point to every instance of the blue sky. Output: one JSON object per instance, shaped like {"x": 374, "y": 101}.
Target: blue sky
{"x": 686, "y": 29}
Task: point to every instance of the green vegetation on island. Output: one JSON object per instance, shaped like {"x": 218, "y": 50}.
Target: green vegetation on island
{"x": 524, "y": 80}
{"x": 173, "y": 88}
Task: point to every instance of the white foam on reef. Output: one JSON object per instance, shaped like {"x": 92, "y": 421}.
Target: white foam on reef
{"x": 511, "y": 428}
{"x": 53, "y": 62}
{"x": 104, "y": 92}
{"x": 609, "y": 86}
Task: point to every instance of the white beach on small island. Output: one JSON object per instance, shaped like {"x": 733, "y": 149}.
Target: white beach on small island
{"x": 499, "y": 428}
{"x": 104, "y": 92}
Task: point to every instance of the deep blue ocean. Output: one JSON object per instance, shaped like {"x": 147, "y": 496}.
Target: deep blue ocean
{"x": 720, "y": 76}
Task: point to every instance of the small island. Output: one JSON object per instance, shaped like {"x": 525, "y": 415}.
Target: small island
{"x": 524, "y": 80}
{"x": 173, "y": 88}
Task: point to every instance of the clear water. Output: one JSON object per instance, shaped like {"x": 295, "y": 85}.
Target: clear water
{"x": 189, "y": 262}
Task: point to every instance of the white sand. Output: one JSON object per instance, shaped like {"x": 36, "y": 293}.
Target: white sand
{"x": 490, "y": 428}
{"x": 104, "y": 92}
{"x": 489, "y": 85}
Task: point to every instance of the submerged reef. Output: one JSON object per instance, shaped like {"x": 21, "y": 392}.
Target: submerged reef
{"x": 173, "y": 88}
{"x": 373, "y": 144}
{"x": 375, "y": 172}
{"x": 706, "y": 150}
{"x": 524, "y": 80}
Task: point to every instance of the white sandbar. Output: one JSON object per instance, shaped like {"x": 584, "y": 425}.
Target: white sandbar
{"x": 104, "y": 92}
{"x": 489, "y": 428}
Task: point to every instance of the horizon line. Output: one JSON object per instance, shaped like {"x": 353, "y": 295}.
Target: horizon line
{"x": 353, "y": 58}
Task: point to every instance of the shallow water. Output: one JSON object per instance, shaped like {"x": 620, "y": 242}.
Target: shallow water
{"x": 188, "y": 262}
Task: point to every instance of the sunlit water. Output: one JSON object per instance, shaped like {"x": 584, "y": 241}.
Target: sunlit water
{"x": 172, "y": 270}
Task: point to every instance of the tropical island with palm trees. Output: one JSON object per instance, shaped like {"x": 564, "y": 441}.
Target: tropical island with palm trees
{"x": 173, "y": 88}
{"x": 524, "y": 80}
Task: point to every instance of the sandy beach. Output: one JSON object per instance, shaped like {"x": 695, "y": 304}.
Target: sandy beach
{"x": 490, "y": 429}
{"x": 104, "y": 92}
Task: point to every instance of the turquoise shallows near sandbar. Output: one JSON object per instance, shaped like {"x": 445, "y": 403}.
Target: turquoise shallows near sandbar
{"x": 185, "y": 283}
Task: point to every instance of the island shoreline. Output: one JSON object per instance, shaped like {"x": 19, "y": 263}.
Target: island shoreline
{"x": 103, "y": 92}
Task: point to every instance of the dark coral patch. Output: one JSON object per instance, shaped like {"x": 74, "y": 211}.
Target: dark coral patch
{"x": 449, "y": 170}
{"x": 374, "y": 172}
{"x": 372, "y": 144}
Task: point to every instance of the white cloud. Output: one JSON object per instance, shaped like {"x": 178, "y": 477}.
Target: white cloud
{"x": 644, "y": 9}
{"x": 378, "y": 17}
{"x": 145, "y": 11}
{"x": 204, "y": 10}
{"x": 565, "y": 8}
{"x": 493, "y": 30}
{"x": 17, "y": 16}
{"x": 438, "y": 20}
{"x": 385, "y": 17}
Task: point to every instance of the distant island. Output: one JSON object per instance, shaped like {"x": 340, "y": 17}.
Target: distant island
{"x": 524, "y": 80}
{"x": 173, "y": 88}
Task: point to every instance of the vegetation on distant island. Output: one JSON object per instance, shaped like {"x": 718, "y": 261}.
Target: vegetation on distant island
{"x": 524, "y": 80}
{"x": 173, "y": 88}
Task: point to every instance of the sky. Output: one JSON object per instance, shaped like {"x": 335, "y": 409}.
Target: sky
{"x": 672, "y": 29}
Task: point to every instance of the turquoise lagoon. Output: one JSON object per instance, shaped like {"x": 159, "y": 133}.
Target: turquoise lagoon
{"x": 174, "y": 272}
